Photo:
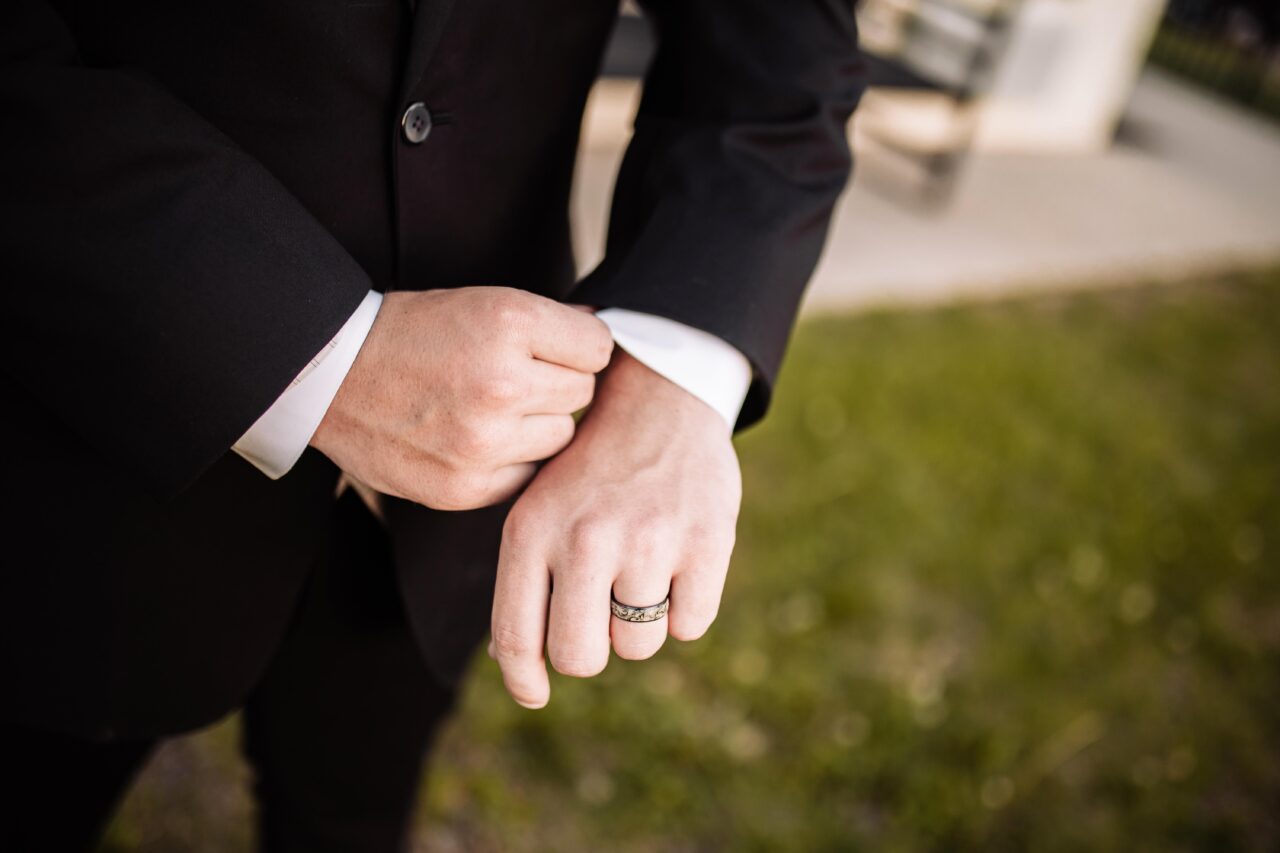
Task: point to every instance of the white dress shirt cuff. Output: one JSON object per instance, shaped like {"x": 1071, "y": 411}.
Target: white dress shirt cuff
{"x": 699, "y": 362}
{"x": 278, "y": 438}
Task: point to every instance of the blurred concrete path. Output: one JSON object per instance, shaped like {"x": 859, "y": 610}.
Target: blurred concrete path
{"x": 1192, "y": 185}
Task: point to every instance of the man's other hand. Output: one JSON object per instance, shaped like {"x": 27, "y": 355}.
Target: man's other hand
{"x": 644, "y": 500}
{"x": 456, "y": 394}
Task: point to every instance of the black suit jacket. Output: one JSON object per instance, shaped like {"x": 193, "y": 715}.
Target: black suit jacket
{"x": 195, "y": 197}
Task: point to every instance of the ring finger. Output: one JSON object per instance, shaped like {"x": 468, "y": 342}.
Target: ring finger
{"x": 640, "y": 587}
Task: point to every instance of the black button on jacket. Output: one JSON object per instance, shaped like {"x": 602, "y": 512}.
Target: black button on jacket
{"x": 195, "y": 196}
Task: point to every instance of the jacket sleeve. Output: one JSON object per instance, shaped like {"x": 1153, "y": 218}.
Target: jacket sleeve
{"x": 164, "y": 288}
{"x": 724, "y": 197}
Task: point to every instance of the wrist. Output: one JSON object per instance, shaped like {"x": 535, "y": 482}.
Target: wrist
{"x": 701, "y": 363}
{"x": 631, "y": 392}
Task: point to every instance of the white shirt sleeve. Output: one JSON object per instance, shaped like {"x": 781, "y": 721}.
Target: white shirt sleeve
{"x": 278, "y": 438}
{"x": 702, "y": 364}
{"x": 699, "y": 362}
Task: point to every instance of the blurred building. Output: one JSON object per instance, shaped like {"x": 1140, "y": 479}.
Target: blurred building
{"x": 1012, "y": 147}
{"x": 1001, "y": 75}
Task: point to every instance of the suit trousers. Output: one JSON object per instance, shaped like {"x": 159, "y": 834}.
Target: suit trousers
{"x": 337, "y": 731}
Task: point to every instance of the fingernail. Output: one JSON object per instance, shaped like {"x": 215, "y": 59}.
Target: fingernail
{"x": 491, "y": 652}
{"x": 522, "y": 703}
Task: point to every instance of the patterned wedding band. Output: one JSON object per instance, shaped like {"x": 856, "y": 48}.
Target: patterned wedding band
{"x": 652, "y": 613}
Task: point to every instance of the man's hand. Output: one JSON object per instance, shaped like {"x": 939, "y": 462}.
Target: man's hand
{"x": 644, "y": 500}
{"x": 455, "y": 394}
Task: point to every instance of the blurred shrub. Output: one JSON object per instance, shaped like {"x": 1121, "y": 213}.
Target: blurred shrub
{"x": 1244, "y": 69}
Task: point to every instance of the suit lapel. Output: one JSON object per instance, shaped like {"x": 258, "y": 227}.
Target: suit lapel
{"x": 429, "y": 19}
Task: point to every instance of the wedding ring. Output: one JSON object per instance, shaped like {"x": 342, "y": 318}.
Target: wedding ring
{"x": 630, "y": 613}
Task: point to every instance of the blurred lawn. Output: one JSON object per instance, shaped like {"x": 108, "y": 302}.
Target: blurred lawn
{"x": 1006, "y": 579}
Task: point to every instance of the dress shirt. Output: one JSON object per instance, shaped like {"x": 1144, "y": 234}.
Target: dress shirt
{"x": 704, "y": 365}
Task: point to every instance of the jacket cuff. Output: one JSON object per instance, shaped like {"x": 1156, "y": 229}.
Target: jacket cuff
{"x": 279, "y": 437}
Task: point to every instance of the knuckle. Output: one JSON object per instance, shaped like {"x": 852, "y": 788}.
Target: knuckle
{"x": 563, "y": 432}
{"x": 584, "y": 393}
{"x": 589, "y": 539}
{"x": 600, "y": 346}
{"x": 502, "y": 389}
{"x": 648, "y": 536}
{"x": 688, "y": 630}
{"x": 578, "y": 665}
{"x": 510, "y": 313}
{"x": 709, "y": 540}
{"x": 519, "y": 529}
{"x": 461, "y": 491}
{"x": 566, "y": 426}
{"x": 509, "y": 643}
{"x": 476, "y": 441}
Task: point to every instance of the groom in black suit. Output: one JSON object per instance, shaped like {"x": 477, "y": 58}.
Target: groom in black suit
{"x": 261, "y": 253}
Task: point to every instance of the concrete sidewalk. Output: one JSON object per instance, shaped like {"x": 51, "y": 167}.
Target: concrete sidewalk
{"x": 1192, "y": 185}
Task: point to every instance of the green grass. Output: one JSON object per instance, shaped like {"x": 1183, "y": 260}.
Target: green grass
{"x": 1006, "y": 579}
